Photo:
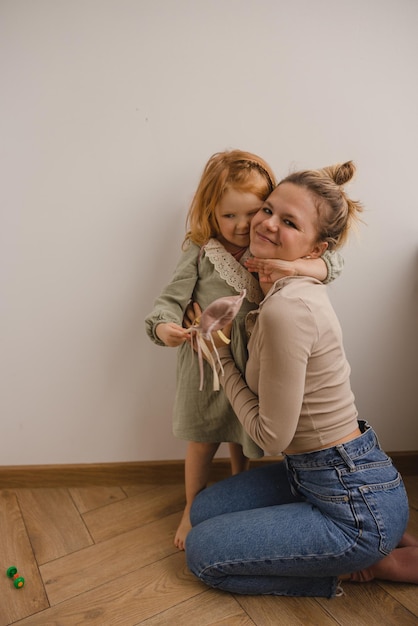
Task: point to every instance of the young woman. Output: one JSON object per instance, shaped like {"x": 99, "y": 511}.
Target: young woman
{"x": 336, "y": 505}
{"x": 232, "y": 189}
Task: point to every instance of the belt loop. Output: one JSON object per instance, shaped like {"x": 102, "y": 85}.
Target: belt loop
{"x": 345, "y": 457}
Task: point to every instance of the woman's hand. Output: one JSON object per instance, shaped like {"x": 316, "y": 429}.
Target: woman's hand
{"x": 221, "y": 338}
{"x": 191, "y": 314}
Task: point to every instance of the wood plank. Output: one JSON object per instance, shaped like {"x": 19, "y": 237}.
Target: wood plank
{"x": 369, "y": 605}
{"x": 131, "y": 513}
{"x": 139, "y": 488}
{"x": 206, "y": 609}
{"x": 407, "y": 595}
{"x": 72, "y": 575}
{"x": 89, "y": 498}
{"x": 128, "y": 600}
{"x": 273, "y": 610}
{"x": 54, "y": 525}
{"x": 16, "y": 550}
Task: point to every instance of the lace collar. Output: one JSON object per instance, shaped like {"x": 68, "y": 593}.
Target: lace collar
{"x": 232, "y": 271}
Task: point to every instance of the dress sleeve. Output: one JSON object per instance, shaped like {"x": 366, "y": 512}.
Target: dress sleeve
{"x": 334, "y": 262}
{"x": 173, "y": 300}
{"x": 284, "y": 339}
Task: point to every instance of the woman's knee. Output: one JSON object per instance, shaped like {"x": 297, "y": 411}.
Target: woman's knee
{"x": 196, "y": 548}
{"x": 255, "y": 488}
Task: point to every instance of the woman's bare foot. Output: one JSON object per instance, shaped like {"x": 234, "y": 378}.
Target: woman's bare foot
{"x": 401, "y": 565}
{"x": 407, "y": 540}
{"x": 183, "y": 530}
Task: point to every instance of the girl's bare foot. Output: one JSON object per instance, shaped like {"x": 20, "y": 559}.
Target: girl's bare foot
{"x": 183, "y": 530}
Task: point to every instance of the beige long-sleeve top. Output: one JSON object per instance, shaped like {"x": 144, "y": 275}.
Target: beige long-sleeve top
{"x": 296, "y": 393}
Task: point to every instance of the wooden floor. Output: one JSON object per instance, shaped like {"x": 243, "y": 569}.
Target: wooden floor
{"x": 105, "y": 555}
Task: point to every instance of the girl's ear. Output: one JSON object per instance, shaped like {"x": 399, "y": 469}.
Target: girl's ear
{"x": 318, "y": 250}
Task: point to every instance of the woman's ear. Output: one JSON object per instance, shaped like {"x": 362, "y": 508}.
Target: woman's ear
{"x": 318, "y": 250}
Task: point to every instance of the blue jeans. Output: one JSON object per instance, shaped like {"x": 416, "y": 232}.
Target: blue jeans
{"x": 292, "y": 528}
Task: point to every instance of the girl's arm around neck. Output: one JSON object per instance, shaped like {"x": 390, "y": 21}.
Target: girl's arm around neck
{"x": 325, "y": 268}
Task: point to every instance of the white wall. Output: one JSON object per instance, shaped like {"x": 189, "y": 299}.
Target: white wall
{"x": 109, "y": 110}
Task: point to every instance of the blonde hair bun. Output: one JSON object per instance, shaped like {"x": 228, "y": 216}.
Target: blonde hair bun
{"x": 341, "y": 173}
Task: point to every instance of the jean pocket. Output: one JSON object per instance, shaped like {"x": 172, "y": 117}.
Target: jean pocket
{"x": 388, "y": 506}
{"x": 322, "y": 484}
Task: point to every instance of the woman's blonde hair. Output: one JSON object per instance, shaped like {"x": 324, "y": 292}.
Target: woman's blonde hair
{"x": 336, "y": 211}
{"x": 235, "y": 169}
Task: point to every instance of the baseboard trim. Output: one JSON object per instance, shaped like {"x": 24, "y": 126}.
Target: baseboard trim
{"x": 153, "y": 472}
{"x": 406, "y": 462}
{"x": 110, "y": 474}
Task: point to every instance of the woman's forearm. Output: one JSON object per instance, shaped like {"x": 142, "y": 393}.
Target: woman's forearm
{"x": 262, "y": 429}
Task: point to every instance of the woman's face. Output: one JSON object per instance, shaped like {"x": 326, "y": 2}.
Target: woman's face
{"x": 286, "y": 226}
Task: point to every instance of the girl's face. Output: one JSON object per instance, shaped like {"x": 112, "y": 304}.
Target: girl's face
{"x": 286, "y": 227}
{"x": 234, "y": 214}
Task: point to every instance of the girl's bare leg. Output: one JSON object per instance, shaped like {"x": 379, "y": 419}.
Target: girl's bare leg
{"x": 239, "y": 462}
{"x": 196, "y": 473}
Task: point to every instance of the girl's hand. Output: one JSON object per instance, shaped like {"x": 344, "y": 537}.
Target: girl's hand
{"x": 270, "y": 270}
{"x": 171, "y": 334}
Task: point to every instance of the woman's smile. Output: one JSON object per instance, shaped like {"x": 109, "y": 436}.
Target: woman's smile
{"x": 263, "y": 237}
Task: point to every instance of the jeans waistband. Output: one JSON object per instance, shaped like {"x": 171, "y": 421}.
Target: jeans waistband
{"x": 339, "y": 454}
